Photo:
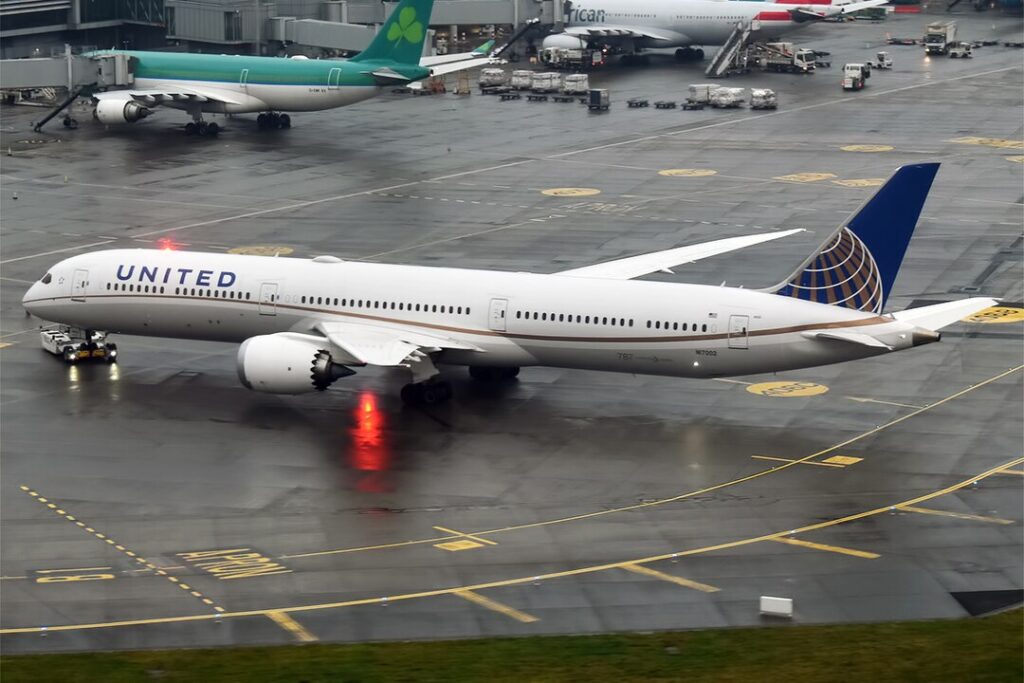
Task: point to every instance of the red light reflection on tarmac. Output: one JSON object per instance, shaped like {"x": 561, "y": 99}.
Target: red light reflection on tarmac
{"x": 167, "y": 244}
{"x": 369, "y": 453}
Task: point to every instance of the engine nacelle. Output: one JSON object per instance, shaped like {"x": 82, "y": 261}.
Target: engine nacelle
{"x": 287, "y": 363}
{"x": 120, "y": 111}
{"x": 565, "y": 41}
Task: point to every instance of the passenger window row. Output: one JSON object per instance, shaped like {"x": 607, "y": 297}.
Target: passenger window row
{"x": 386, "y": 305}
{"x": 181, "y": 291}
{"x": 677, "y": 327}
{"x": 573, "y": 318}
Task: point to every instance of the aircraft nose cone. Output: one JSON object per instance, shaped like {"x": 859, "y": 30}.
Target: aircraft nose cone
{"x": 31, "y": 299}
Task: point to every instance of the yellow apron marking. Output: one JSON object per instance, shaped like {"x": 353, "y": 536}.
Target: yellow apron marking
{"x": 263, "y": 250}
{"x": 497, "y": 606}
{"x": 828, "y": 548}
{"x": 465, "y": 535}
{"x": 455, "y": 546}
{"x": 561, "y": 574}
{"x": 958, "y": 515}
{"x": 997, "y": 314}
{"x": 234, "y": 563}
{"x": 990, "y": 142}
{"x": 858, "y": 399}
{"x": 571, "y": 192}
{"x": 1018, "y": 472}
{"x": 678, "y": 580}
{"x": 60, "y": 575}
{"x": 787, "y": 389}
{"x": 295, "y": 628}
{"x": 861, "y": 182}
{"x": 805, "y": 177}
{"x": 1018, "y": 159}
{"x": 4, "y": 345}
{"x": 842, "y": 460}
{"x": 682, "y": 496}
{"x": 687, "y": 172}
{"x": 792, "y": 461}
{"x": 867, "y": 148}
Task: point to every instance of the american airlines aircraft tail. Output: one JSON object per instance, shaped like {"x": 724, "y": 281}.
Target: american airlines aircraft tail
{"x": 303, "y": 324}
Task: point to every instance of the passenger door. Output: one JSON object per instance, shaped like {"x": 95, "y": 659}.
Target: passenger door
{"x": 334, "y": 79}
{"x": 496, "y": 317}
{"x": 268, "y": 298}
{"x": 243, "y": 81}
{"x": 79, "y": 283}
{"x": 738, "y": 331}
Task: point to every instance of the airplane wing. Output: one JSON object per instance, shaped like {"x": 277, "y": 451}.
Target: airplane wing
{"x": 359, "y": 343}
{"x": 152, "y": 97}
{"x": 452, "y": 67}
{"x": 435, "y": 60}
{"x": 635, "y": 266}
{"x": 616, "y": 32}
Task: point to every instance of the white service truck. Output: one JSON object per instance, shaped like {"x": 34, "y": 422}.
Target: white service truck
{"x": 961, "y": 51}
{"x": 939, "y": 37}
{"x": 854, "y": 76}
{"x": 785, "y": 57}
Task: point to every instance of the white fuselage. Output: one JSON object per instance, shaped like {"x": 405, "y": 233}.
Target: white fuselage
{"x": 514, "y": 319}
{"x": 684, "y": 22}
{"x": 261, "y": 97}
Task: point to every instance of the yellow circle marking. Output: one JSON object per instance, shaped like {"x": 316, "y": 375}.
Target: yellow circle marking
{"x": 805, "y": 177}
{"x": 571, "y": 191}
{"x": 787, "y": 389}
{"x": 687, "y": 172}
{"x": 262, "y": 250}
{"x": 861, "y": 182}
{"x": 1018, "y": 159}
{"x": 867, "y": 148}
{"x": 997, "y": 314}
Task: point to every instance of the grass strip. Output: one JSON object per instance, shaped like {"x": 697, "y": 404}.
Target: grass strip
{"x": 984, "y": 649}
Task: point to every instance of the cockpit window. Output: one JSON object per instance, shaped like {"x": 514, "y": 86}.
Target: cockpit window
{"x": 47, "y": 279}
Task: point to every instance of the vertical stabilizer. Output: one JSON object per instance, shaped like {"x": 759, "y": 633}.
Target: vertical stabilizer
{"x": 857, "y": 265}
{"x": 401, "y": 37}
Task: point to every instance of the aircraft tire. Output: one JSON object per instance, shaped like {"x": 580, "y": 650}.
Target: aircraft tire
{"x": 190, "y": 128}
{"x": 285, "y": 121}
{"x": 213, "y": 129}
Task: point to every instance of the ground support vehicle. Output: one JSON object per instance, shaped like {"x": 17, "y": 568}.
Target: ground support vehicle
{"x": 883, "y": 60}
{"x": 961, "y": 51}
{"x": 939, "y": 36}
{"x": 598, "y": 99}
{"x": 853, "y": 76}
{"x": 74, "y": 345}
{"x": 786, "y": 58}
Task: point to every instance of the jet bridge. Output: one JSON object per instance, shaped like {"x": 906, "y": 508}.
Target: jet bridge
{"x": 78, "y": 74}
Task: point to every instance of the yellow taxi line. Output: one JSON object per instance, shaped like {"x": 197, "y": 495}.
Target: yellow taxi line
{"x": 678, "y": 580}
{"x": 496, "y": 606}
{"x": 828, "y": 548}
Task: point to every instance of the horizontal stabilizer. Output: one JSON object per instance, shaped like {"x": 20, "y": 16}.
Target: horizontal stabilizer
{"x": 937, "y": 316}
{"x": 386, "y": 76}
{"x": 851, "y": 337}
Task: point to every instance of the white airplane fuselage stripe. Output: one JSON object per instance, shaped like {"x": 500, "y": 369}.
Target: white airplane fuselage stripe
{"x": 634, "y": 326}
{"x": 260, "y": 97}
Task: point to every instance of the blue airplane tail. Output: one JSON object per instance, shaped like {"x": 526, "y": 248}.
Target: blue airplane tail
{"x": 857, "y": 265}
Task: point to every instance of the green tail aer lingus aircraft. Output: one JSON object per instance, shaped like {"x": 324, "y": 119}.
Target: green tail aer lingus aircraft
{"x": 232, "y": 84}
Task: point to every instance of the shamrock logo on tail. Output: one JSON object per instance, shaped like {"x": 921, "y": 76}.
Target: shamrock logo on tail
{"x": 406, "y": 27}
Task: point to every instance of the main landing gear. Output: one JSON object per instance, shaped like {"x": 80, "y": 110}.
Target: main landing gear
{"x": 272, "y": 120}
{"x": 689, "y": 54}
{"x": 202, "y": 128}
{"x": 426, "y": 393}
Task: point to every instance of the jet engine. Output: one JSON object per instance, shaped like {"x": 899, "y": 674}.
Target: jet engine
{"x": 120, "y": 111}
{"x": 288, "y": 363}
{"x": 565, "y": 41}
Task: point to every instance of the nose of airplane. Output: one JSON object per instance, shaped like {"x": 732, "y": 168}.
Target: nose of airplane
{"x": 32, "y": 297}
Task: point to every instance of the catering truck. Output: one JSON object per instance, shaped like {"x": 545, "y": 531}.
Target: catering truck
{"x": 939, "y": 37}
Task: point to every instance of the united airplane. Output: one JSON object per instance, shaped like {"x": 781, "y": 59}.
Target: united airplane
{"x": 303, "y": 324}
{"x": 236, "y": 84}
